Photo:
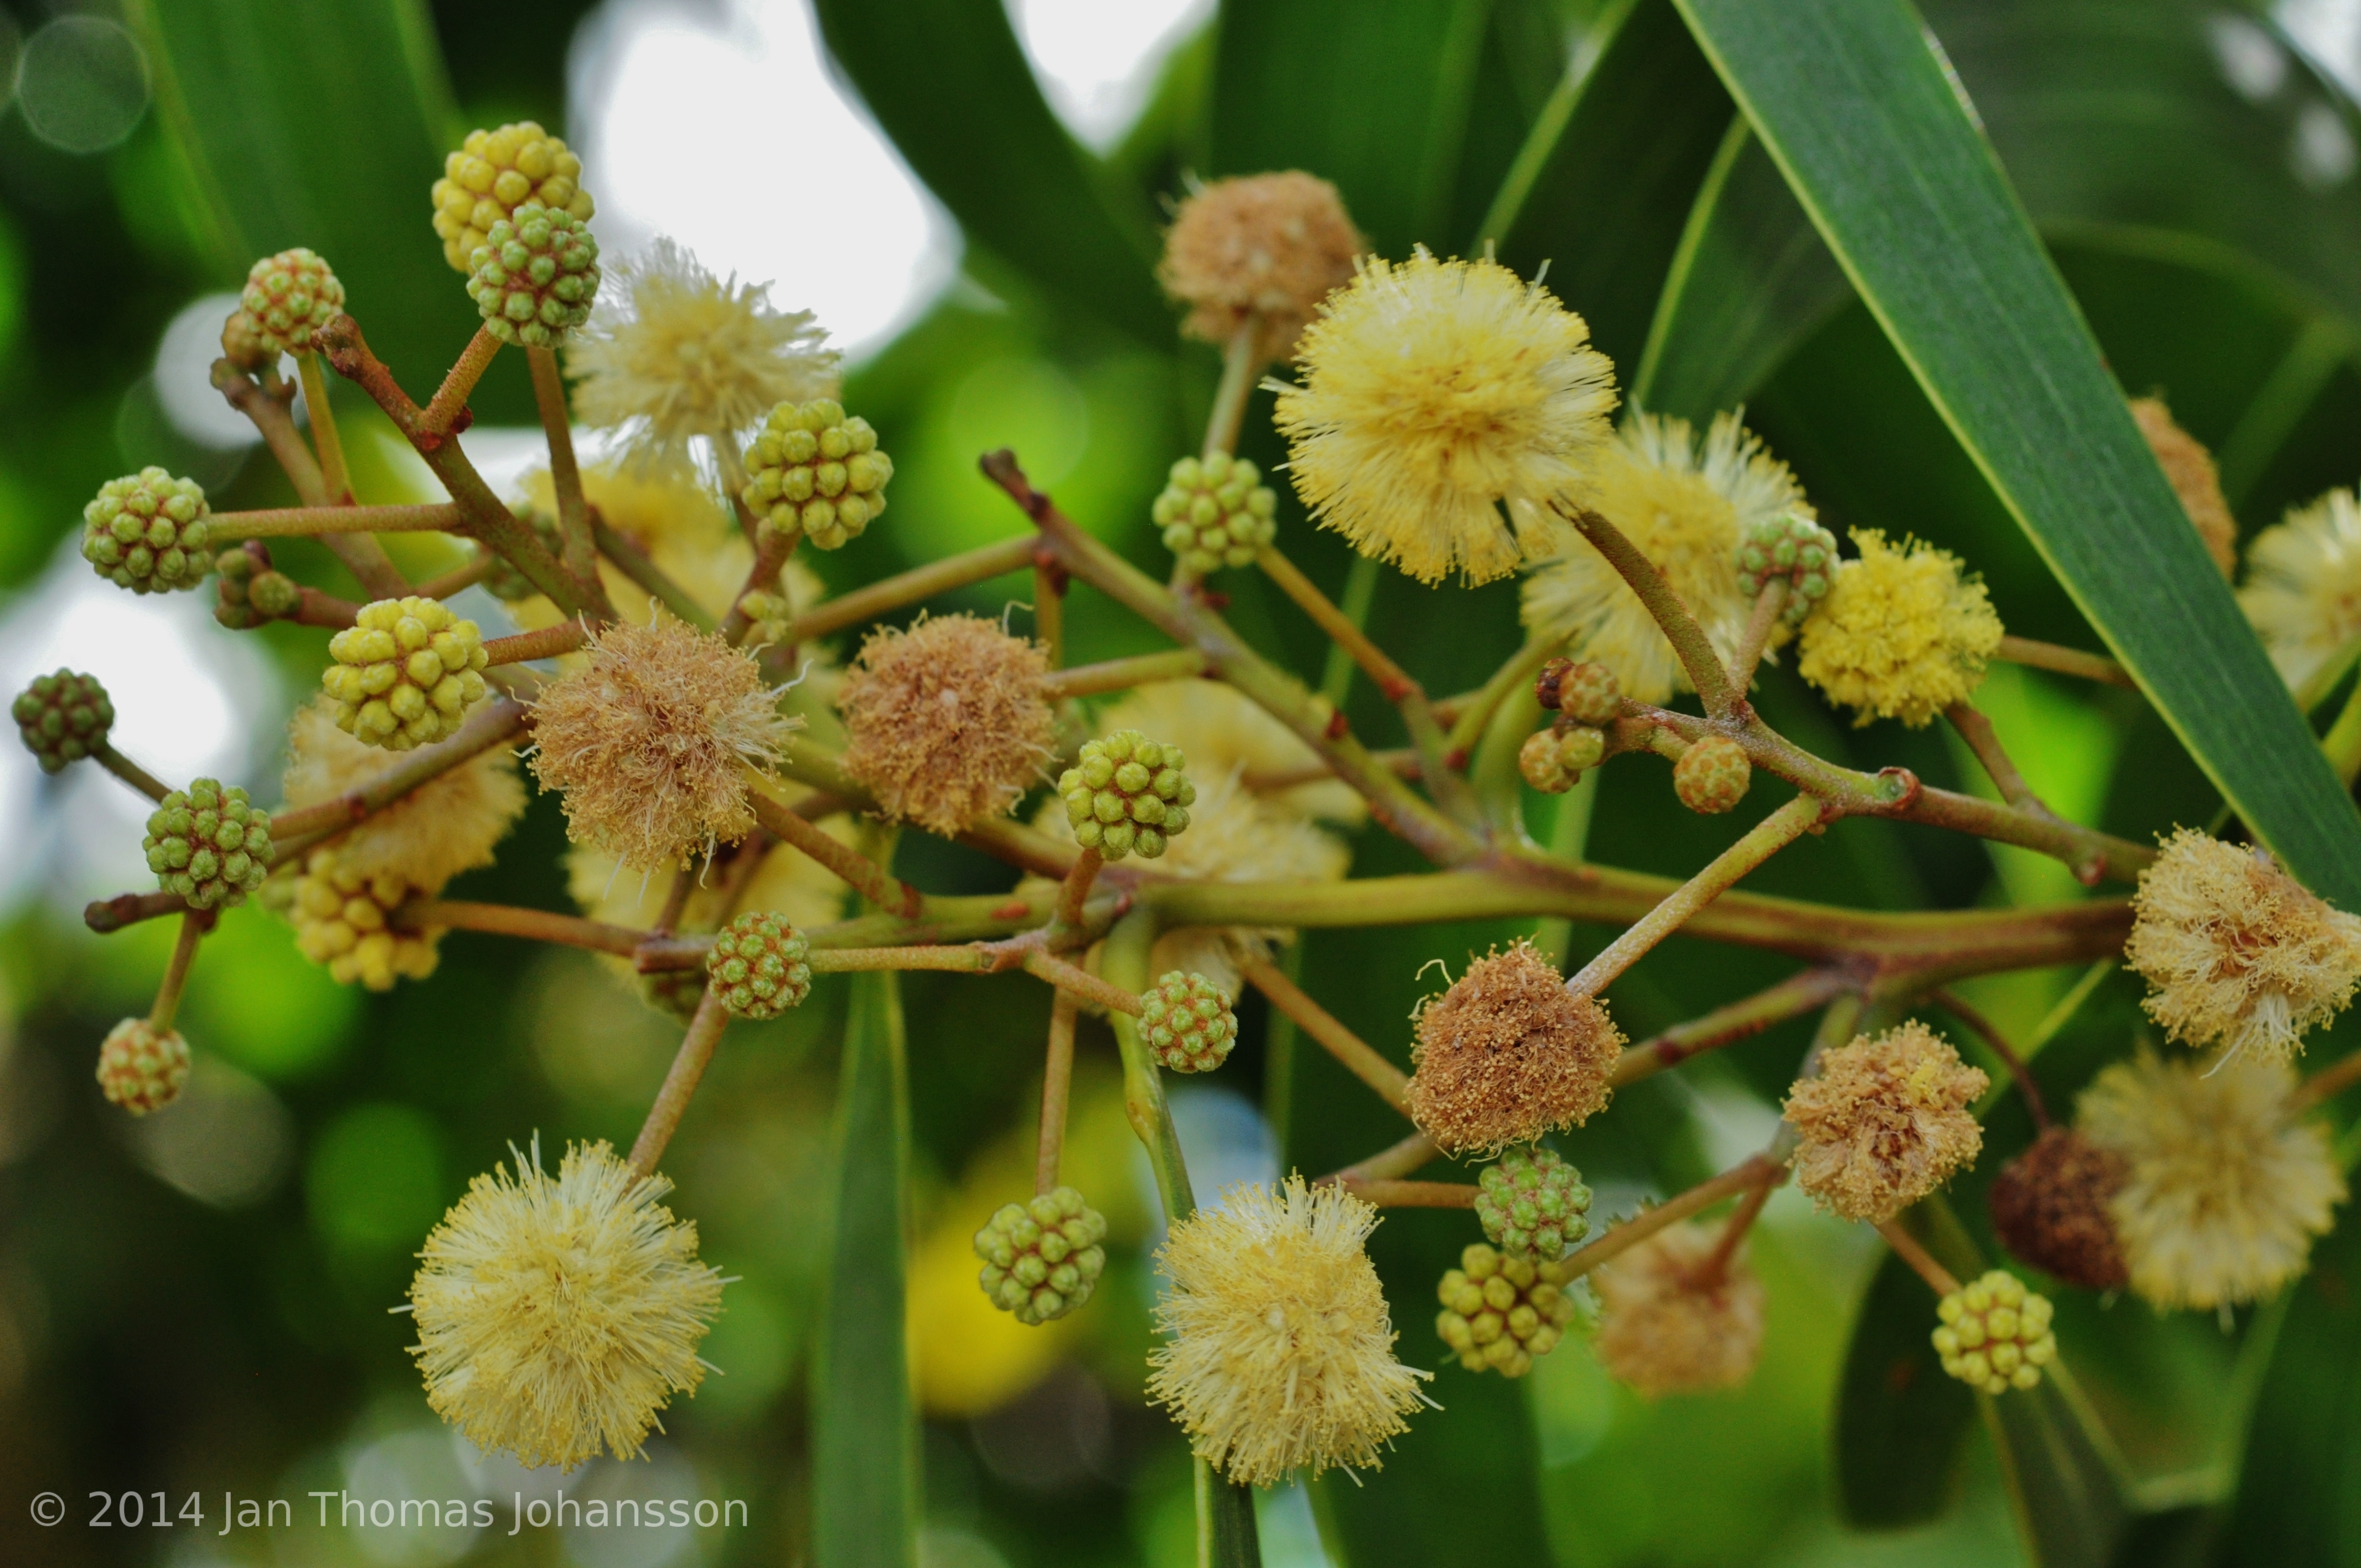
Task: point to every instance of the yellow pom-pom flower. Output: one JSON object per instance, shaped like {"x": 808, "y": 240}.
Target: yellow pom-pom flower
{"x": 2223, "y": 1192}
{"x": 1689, "y": 504}
{"x": 2236, "y": 951}
{"x": 448, "y": 825}
{"x": 340, "y": 921}
{"x": 1434, "y": 393}
{"x": 1279, "y": 1355}
{"x": 1995, "y": 1333}
{"x": 2303, "y": 585}
{"x": 557, "y": 1315}
{"x": 493, "y": 174}
{"x": 405, "y": 673}
{"x": 1903, "y": 634}
{"x": 674, "y": 355}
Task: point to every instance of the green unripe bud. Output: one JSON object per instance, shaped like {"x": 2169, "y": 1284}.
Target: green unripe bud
{"x": 62, "y": 717}
{"x": 1532, "y": 1204}
{"x": 1215, "y": 512}
{"x": 1537, "y": 760}
{"x": 288, "y": 298}
{"x": 1995, "y": 1333}
{"x": 146, "y": 531}
{"x": 1712, "y": 775}
{"x": 1794, "y": 547}
{"x": 405, "y": 673}
{"x": 207, "y": 844}
{"x": 1188, "y": 1023}
{"x": 1126, "y": 794}
{"x": 814, "y": 469}
{"x": 757, "y": 966}
{"x": 1042, "y": 1259}
{"x": 1500, "y": 1312}
{"x": 1585, "y": 693}
{"x": 534, "y": 276}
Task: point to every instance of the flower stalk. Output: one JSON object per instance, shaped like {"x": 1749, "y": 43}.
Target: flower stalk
{"x": 688, "y": 1065}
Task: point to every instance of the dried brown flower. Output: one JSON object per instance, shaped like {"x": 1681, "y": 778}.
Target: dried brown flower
{"x": 648, "y": 743}
{"x": 1886, "y": 1122}
{"x": 1508, "y": 1054}
{"x": 947, "y": 721}
{"x": 1668, "y": 1327}
{"x": 2194, "y": 479}
{"x": 2049, "y": 1207}
{"x": 1272, "y": 243}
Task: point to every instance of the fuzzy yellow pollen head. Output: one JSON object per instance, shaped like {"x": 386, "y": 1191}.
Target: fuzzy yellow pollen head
{"x": 947, "y": 723}
{"x": 1434, "y": 393}
{"x": 1886, "y": 1122}
{"x": 1676, "y": 1321}
{"x": 2223, "y": 1193}
{"x": 649, "y": 741}
{"x": 1278, "y": 1355}
{"x": 1268, "y": 244}
{"x": 1508, "y": 1054}
{"x": 557, "y": 1315}
{"x": 1903, "y": 634}
{"x": 675, "y": 353}
{"x": 2236, "y": 952}
{"x": 1690, "y": 503}
{"x": 2303, "y": 585}
{"x": 448, "y": 825}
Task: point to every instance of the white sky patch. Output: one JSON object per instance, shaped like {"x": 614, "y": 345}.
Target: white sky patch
{"x": 1097, "y": 61}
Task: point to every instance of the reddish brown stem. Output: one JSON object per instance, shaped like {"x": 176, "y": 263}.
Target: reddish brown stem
{"x": 1414, "y": 1194}
{"x": 1757, "y": 1171}
{"x": 1905, "y": 1247}
{"x": 1393, "y": 1160}
{"x": 1959, "y": 1007}
{"x": 688, "y": 1065}
{"x": 2064, "y": 661}
{"x": 441, "y": 416}
{"x": 1057, "y": 1087}
{"x": 510, "y": 920}
{"x": 1359, "y": 1058}
{"x": 567, "y": 637}
{"x": 1798, "y": 994}
{"x": 865, "y": 876}
{"x": 108, "y": 915}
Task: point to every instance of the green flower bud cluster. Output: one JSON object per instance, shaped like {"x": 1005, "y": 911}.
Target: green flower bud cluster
{"x": 146, "y": 531}
{"x": 208, "y": 845}
{"x": 142, "y": 1068}
{"x": 757, "y": 965}
{"x": 1995, "y": 1334}
{"x": 1501, "y": 1312}
{"x": 770, "y": 614}
{"x": 288, "y": 298}
{"x": 1126, "y": 794}
{"x": 1215, "y": 512}
{"x": 405, "y": 672}
{"x": 1041, "y": 1259}
{"x": 62, "y": 717}
{"x": 1794, "y": 547}
{"x": 1188, "y": 1023}
{"x": 1532, "y": 1204}
{"x": 814, "y": 468}
{"x": 503, "y": 581}
{"x": 1585, "y": 693}
{"x": 1712, "y": 775}
{"x": 534, "y": 276}
{"x": 1553, "y": 759}
{"x": 251, "y": 592}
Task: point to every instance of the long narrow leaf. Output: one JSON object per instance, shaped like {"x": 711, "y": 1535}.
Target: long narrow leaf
{"x": 1855, "y": 105}
{"x": 865, "y": 1433}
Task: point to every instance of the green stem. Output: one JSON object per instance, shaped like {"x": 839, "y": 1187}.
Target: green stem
{"x": 194, "y": 927}
{"x": 283, "y": 522}
{"x": 1360, "y": 593}
{"x": 772, "y": 548}
{"x": 688, "y": 1065}
{"x": 1057, "y": 1087}
{"x": 1760, "y": 621}
{"x": 2064, "y": 661}
{"x": 1690, "y": 644}
{"x": 333, "y": 474}
{"x": 1123, "y": 963}
{"x": 130, "y": 772}
{"x": 293, "y": 832}
{"x": 1359, "y": 1058}
{"x": 864, "y": 875}
{"x": 1122, "y": 674}
{"x": 1074, "y": 893}
{"x": 1798, "y": 994}
{"x": 1569, "y": 839}
{"x": 1476, "y": 715}
{"x": 2342, "y": 741}
{"x": 565, "y": 474}
{"x": 1240, "y": 364}
{"x": 1498, "y": 781}
{"x": 890, "y": 594}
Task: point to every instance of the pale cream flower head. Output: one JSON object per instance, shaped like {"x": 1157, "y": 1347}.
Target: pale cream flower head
{"x": 1668, "y": 1326}
{"x": 558, "y": 1315}
{"x": 1687, "y": 502}
{"x": 948, "y": 724}
{"x": 1280, "y": 1350}
{"x": 2223, "y": 1192}
{"x": 2236, "y": 952}
{"x": 1434, "y": 393}
{"x": 448, "y": 825}
{"x": 1885, "y": 1122}
{"x": 671, "y": 354}
{"x": 2303, "y": 585}
{"x": 1269, "y": 245}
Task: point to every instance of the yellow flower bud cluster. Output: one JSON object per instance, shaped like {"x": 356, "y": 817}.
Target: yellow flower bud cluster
{"x": 1995, "y": 1334}
{"x": 340, "y": 921}
{"x": 1501, "y": 1312}
{"x": 493, "y": 174}
{"x": 405, "y": 673}
{"x": 813, "y": 468}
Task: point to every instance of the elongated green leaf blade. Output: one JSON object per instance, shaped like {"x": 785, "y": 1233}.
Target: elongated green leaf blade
{"x": 1607, "y": 178}
{"x": 320, "y": 123}
{"x": 864, "y": 1427}
{"x": 1858, "y": 110}
{"x": 950, "y": 85}
{"x": 2070, "y": 1508}
{"x": 1899, "y": 1420}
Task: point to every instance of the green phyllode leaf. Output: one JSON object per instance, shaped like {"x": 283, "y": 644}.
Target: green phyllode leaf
{"x": 1861, "y": 115}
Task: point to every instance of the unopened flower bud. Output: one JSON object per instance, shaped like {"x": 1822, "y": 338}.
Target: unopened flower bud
{"x": 1712, "y": 775}
{"x": 142, "y": 1069}
{"x": 1188, "y": 1023}
{"x": 1042, "y": 1259}
{"x": 534, "y": 276}
{"x": 815, "y": 469}
{"x": 62, "y": 717}
{"x": 1126, "y": 794}
{"x": 757, "y": 965}
{"x": 1215, "y": 512}
{"x": 147, "y": 532}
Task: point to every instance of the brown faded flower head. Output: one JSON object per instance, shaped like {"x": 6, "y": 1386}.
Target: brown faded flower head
{"x": 2236, "y": 952}
{"x": 2050, "y": 1208}
{"x": 947, "y": 721}
{"x": 1886, "y": 1122}
{"x": 650, "y": 742}
{"x": 1508, "y": 1054}
{"x": 1670, "y": 1325}
{"x": 2194, "y": 479}
{"x": 1272, "y": 243}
